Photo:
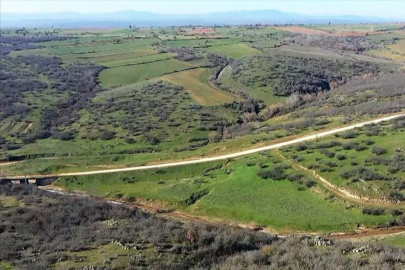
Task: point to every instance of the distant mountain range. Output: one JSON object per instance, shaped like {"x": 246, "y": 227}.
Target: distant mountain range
{"x": 141, "y": 18}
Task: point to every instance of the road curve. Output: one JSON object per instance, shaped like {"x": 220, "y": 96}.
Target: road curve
{"x": 237, "y": 154}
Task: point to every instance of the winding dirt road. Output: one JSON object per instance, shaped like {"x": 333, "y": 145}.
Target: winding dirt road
{"x": 230, "y": 156}
{"x": 242, "y": 153}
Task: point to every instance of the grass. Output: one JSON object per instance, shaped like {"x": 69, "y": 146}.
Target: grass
{"x": 6, "y": 266}
{"x": 234, "y": 50}
{"x": 394, "y": 241}
{"x": 355, "y": 27}
{"x": 83, "y": 154}
{"x": 119, "y": 76}
{"x": 200, "y": 43}
{"x": 315, "y": 159}
{"x": 195, "y": 83}
{"x": 261, "y": 93}
{"x": 9, "y": 202}
{"x": 397, "y": 239}
{"x": 110, "y": 255}
{"x": 395, "y": 52}
{"x": 236, "y": 194}
{"x": 135, "y": 60}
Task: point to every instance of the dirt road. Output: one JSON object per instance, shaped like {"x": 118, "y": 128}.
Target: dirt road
{"x": 237, "y": 154}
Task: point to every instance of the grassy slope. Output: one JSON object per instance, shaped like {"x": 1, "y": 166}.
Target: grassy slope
{"x": 258, "y": 93}
{"x": 234, "y": 50}
{"x": 235, "y": 193}
{"x": 195, "y": 82}
{"x": 132, "y": 74}
{"x": 374, "y": 189}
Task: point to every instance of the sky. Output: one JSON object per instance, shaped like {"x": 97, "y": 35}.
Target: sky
{"x": 374, "y": 8}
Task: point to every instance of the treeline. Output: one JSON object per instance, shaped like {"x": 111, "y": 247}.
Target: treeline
{"x": 49, "y": 228}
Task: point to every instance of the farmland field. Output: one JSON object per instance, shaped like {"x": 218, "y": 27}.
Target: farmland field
{"x": 234, "y": 50}
{"x": 195, "y": 82}
{"x": 91, "y": 99}
{"x": 245, "y": 139}
{"x": 124, "y": 75}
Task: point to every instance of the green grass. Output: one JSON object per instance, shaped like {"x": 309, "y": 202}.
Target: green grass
{"x": 201, "y": 42}
{"x": 135, "y": 60}
{"x": 6, "y": 266}
{"x": 265, "y": 94}
{"x": 388, "y": 140}
{"x": 397, "y": 239}
{"x": 394, "y": 241}
{"x": 196, "y": 84}
{"x": 119, "y": 76}
{"x": 234, "y": 50}
{"x": 236, "y": 193}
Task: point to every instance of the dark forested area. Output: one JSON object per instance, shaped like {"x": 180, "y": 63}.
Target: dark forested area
{"x": 48, "y": 228}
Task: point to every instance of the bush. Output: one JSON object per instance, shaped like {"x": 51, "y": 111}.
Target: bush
{"x": 107, "y": 135}
{"x": 276, "y": 174}
{"x": 378, "y": 151}
{"x": 373, "y": 211}
{"x": 396, "y": 196}
{"x": 327, "y": 153}
{"x": 397, "y": 212}
{"x": 349, "y": 135}
{"x": 341, "y": 157}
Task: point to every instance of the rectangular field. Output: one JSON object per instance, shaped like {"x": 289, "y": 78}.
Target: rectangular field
{"x": 234, "y": 50}
{"x": 119, "y": 76}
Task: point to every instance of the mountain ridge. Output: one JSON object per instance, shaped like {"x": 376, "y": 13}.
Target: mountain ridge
{"x": 145, "y": 18}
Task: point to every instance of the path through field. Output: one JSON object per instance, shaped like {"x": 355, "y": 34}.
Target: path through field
{"x": 231, "y": 156}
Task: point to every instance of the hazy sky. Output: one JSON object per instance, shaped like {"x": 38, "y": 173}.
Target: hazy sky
{"x": 381, "y": 8}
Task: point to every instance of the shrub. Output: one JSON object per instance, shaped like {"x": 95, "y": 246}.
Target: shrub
{"x": 107, "y": 135}
{"x": 349, "y": 135}
{"x": 327, "y": 153}
{"x": 301, "y": 147}
{"x": 373, "y": 211}
{"x": 276, "y": 174}
{"x": 341, "y": 157}
{"x": 309, "y": 183}
{"x": 397, "y": 212}
{"x": 396, "y": 196}
{"x": 378, "y": 151}
{"x": 329, "y": 144}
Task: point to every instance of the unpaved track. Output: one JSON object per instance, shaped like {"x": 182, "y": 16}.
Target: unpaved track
{"x": 234, "y": 155}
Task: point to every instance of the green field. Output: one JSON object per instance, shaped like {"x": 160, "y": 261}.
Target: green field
{"x": 119, "y": 76}
{"x": 196, "y": 84}
{"x": 125, "y": 61}
{"x": 369, "y": 163}
{"x": 234, "y": 50}
{"x": 117, "y": 98}
{"x": 234, "y": 193}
